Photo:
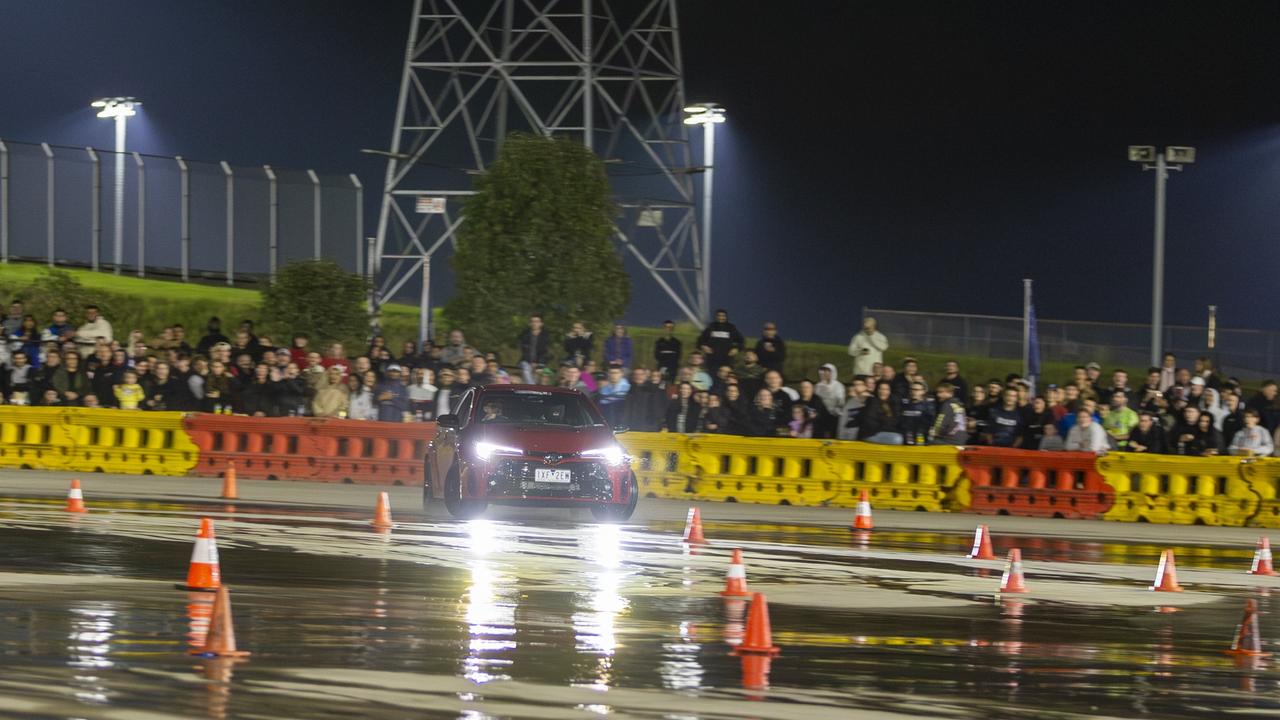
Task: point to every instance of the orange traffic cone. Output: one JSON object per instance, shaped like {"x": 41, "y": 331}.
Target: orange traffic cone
{"x": 1012, "y": 580}
{"x": 1247, "y": 640}
{"x": 221, "y": 640}
{"x": 759, "y": 638}
{"x": 693, "y": 528}
{"x": 981, "y": 545}
{"x": 75, "y": 499}
{"x": 735, "y": 610}
{"x": 382, "y": 513}
{"x": 755, "y": 671}
{"x": 862, "y": 516}
{"x": 735, "y": 580}
{"x": 203, "y": 574}
{"x": 229, "y": 483}
{"x": 1262, "y": 559}
{"x": 1166, "y": 574}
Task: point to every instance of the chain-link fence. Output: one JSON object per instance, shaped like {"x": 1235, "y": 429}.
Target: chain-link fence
{"x": 150, "y": 214}
{"x": 1245, "y": 352}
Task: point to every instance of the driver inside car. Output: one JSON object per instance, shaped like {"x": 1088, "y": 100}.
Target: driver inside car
{"x": 493, "y": 412}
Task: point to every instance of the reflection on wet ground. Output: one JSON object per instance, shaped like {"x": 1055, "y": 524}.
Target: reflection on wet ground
{"x": 555, "y": 619}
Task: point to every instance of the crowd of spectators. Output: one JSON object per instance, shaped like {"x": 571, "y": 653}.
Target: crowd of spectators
{"x": 721, "y": 385}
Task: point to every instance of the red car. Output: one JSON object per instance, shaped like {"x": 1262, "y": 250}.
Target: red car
{"x": 527, "y": 445}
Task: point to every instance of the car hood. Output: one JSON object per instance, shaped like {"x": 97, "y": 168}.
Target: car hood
{"x": 546, "y": 438}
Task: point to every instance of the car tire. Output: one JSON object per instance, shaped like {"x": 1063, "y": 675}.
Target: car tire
{"x": 619, "y": 513}
{"x": 453, "y": 502}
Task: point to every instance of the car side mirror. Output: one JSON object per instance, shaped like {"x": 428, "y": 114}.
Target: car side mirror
{"x": 621, "y": 428}
{"x": 449, "y": 420}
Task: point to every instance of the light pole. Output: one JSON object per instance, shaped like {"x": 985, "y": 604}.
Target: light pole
{"x": 708, "y": 115}
{"x": 1173, "y": 158}
{"x": 120, "y": 109}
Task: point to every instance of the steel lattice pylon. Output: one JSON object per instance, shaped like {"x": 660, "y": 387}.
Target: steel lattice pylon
{"x": 606, "y": 72}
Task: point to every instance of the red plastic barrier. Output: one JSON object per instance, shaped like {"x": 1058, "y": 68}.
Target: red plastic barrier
{"x": 1029, "y": 483}
{"x": 322, "y": 449}
{"x": 372, "y": 452}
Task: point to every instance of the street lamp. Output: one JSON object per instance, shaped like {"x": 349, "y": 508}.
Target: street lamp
{"x": 708, "y": 115}
{"x": 1173, "y": 158}
{"x": 120, "y": 109}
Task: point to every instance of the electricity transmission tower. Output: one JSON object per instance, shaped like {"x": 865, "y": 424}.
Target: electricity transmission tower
{"x": 605, "y": 72}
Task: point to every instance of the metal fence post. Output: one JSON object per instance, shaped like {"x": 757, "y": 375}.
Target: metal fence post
{"x": 95, "y": 208}
{"x": 184, "y": 220}
{"x": 273, "y": 221}
{"x": 315, "y": 209}
{"x": 355, "y": 182}
{"x": 4, "y": 202}
{"x": 142, "y": 215}
{"x": 231, "y": 223}
{"x": 49, "y": 202}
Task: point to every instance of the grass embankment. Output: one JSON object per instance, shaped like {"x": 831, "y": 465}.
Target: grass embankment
{"x": 150, "y": 305}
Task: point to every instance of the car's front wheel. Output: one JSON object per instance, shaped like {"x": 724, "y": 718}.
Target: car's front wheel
{"x": 455, "y": 504}
{"x": 619, "y": 512}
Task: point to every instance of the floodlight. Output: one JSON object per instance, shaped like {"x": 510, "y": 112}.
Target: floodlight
{"x": 1142, "y": 153}
{"x": 1180, "y": 154}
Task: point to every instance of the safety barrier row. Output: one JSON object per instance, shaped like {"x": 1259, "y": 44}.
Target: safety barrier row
{"x": 317, "y": 449}
{"x": 1116, "y": 486}
{"x": 998, "y": 481}
{"x": 95, "y": 440}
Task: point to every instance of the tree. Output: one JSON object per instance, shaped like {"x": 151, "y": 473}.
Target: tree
{"x": 320, "y": 299}
{"x": 536, "y": 239}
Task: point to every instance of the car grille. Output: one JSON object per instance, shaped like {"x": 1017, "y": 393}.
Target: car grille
{"x": 516, "y": 477}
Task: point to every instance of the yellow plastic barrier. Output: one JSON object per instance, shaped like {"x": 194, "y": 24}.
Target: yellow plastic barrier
{"x": 33, "y": 437}
{"x": 1178, "y": 489}
{"x": 133, "y": 442}
{"x": 773, "y": 471}
{"x": 897, "y": 477}
{"x": 1263, "y": 477}
{"x": 661, "y": 463}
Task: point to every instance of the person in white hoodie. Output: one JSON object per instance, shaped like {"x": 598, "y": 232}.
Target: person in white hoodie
{"x": 867, "y": 347}
{"x": 831, "y": 392}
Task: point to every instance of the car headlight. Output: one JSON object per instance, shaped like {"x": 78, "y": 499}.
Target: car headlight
{"x": 485, "y": 450}
{"x": 612, "y": 455}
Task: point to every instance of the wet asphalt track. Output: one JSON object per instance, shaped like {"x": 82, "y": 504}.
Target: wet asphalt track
{"x": 546, "y": 615}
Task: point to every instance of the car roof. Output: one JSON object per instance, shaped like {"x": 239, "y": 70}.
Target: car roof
{"x": 549, "y": 389}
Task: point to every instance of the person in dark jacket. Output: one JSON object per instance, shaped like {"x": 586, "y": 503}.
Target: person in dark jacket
{"x": 682, "y": 411}
{"x": 1004, "y": 425}
{"x": 1148, "y": 436}
{"x": 1233, "y": 420}
{"x": 578, "y": 345}
{"x": 720, "y": 341}
{"x": 258, "y": 395}
{"x": 764, "y": 418}
{"x": 824, "y": 423}
{"x": 71, "y": 381}
{"x": 535, "y": 349}
{"x": 736, "y": 405}
{"x": 391, "y": 396}
{"x": 1267, "y": 403}
{"x": 716, "y": 419}
{"x": 646, "y": 403}
{"x": 879, "y": 420}
{"x": 916, "y": 416}
{"x": 213, "y": 335}
{"x": 771, "y": 349}
{"x": 1035, "y": 415}
{"x": 949, "y": 423}
{"x": 291, "y": 392}
{"x": 1207, "y": 441}
{"x": 161, "y": 390}
{"x": 667, "y": 352}
{"x": 617, "y": 348}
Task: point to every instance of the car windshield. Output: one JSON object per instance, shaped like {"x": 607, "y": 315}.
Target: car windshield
{"x": 539, "y": 408}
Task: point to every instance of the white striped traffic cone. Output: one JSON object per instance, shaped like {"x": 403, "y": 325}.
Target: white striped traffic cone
{"x": 203, "y": 574}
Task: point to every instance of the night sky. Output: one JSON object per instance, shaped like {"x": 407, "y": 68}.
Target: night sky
{"x": 906, "y": 155}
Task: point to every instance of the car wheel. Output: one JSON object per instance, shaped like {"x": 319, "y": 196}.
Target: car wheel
{"x": 618, "y": 513}
{"x": 453, "y": 502}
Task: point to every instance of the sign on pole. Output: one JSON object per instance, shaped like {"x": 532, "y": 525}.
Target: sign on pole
{"x": 430, "y": 205}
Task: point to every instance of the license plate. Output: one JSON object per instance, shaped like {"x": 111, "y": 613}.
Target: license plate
{"x": 548, "y": 475}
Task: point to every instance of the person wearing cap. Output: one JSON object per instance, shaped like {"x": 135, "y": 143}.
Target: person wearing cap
{"x": 867, "y": 348}
{"x": 771, "y": 349}
{"x": 1094, "y": 372}
{"x": 391, "y": 395}
{"x": 667, "y": 351}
